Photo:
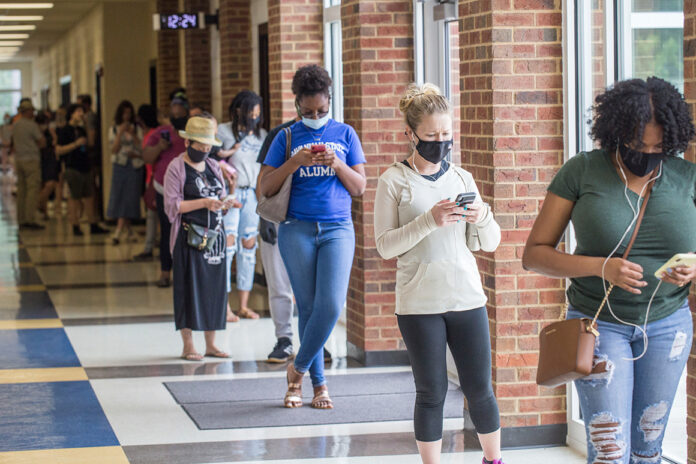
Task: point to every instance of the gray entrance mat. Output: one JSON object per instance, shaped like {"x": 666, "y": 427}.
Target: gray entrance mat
{"x": 248, "y": 403}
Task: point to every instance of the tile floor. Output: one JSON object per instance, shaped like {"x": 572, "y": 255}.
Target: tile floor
{"x": 86, "y": 344}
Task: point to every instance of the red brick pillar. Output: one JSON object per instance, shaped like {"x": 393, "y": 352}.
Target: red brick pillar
{"x": 690, "y": 95}
{"x": 197, "y": 48}
{"x": 235, "y": 49}
{"x": 377, "y": 67}
{"x": 512, "y": 142}
{"x": 295, "y": 38}
{"x": 167, "y": 56}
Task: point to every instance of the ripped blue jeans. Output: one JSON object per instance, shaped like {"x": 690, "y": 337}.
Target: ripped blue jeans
{"x": 243, "y": 223}
{"x": 625, "y": 404}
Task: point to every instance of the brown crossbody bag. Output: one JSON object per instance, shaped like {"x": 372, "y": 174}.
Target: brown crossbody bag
{"x": 566, "y": 348}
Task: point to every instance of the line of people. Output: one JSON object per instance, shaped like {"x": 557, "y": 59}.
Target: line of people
{"x": 428, "y": 214}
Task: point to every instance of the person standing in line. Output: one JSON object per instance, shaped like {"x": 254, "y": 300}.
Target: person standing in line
{"x": 242, "y": 138}
{"x": 439, "y": 297}
{"x": 646, "y": 328}
{"x": 72, "y": 147}
{"x": 92, "y": 128}
{"x": 6, "y": 141}
{"x": 27, "y": 141}
{"x": 317, "y": 241}
{"x": 125, "y": 138}
{"x": 147, "y": 119}
{"x": 60, "y": 121}
{"x": 280, "y": 297}
{"x": 50, "y": 166}
{"x": 195, "y": 196}
{"x": 163, "y": 146}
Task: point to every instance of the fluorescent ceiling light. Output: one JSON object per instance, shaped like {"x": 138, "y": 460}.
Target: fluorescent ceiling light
{"x": 18, "y": 27}
{"x": 25, "y": 6}
{"x": 8, "y": 49}
{"x": 13, "y": 36}
{"x": 9, "y": 43}
{"x": 20, "y": 18}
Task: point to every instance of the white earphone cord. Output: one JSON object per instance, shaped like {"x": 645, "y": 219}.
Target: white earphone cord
{"x": 636, "y": 213}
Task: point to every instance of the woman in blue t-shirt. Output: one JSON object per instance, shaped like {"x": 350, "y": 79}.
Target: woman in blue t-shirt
{"x": 317, "y": 242}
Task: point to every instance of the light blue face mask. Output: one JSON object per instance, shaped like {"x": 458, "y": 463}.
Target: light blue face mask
{"x": 315, "y": 123}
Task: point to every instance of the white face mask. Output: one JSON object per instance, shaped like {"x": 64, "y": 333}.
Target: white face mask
{"x": 315, "y": 123}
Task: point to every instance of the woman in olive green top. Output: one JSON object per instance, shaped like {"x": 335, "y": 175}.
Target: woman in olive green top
{"x": 646, "y": 330}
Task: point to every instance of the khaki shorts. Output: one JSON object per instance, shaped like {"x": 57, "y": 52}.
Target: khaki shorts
{"x": 79, "y": 183}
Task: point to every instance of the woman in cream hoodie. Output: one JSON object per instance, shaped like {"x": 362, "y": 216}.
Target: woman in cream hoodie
{"x": 439, "y": 296}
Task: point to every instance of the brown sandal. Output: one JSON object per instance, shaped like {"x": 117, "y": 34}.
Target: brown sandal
{"x": 321, "y": 399}
{"x": 293, "y": 397}
{"x": 246, "y": 313}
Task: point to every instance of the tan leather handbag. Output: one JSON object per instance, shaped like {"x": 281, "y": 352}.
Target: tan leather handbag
{"x": 275, "y": 207}
{"x": 566, "y": 348}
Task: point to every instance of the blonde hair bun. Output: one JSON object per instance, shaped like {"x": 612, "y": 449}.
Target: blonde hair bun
{"x": 422, "y": 100}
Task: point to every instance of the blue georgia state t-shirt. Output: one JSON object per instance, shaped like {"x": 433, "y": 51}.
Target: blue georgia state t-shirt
{"x": 317, "y": 194}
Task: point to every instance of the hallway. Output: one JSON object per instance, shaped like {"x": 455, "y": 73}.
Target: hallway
{"x": 87, "y": 345}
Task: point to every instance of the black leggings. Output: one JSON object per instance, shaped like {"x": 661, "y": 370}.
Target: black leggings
{"x": 165, "y": 228}
{"x": 466, "y": 333}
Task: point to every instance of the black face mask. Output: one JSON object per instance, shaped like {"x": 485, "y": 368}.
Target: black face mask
{"x": 434, "y": 151}
{"x": 639, "y": 163}
{"x": 179, "y": 123}
{"x": 196, "y": 155}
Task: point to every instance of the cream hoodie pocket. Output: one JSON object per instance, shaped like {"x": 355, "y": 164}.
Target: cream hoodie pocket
{"x": 429, "y": 281}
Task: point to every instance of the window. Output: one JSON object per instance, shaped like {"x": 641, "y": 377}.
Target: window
{"x": 651, "y": 37}
{"x": 333, "y": 55}
{"x": 436, "y": 32}
{"x": 436, "y": 54}
{"x": 10, "y": 90}
{"x": 605, "y": 41}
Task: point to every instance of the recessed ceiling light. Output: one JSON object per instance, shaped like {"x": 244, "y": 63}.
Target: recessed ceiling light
{"x": 25, "y": 6}
{"x": 20, "y": 18}
{"x": 18, "y": 27}
{"x": 13, "y": 36}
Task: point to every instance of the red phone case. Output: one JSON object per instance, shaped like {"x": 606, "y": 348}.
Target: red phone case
{"x": 318, "y": 148}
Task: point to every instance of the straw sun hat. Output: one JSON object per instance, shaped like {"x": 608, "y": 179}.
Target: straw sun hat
{"x": 201, "y": 130}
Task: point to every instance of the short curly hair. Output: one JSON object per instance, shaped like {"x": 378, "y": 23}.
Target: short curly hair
{"x": 621, "y": 113}
{"x": 311, "y": 80}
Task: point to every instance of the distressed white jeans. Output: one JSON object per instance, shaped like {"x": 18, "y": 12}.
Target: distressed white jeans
{"x": 243, "y": 223}
{"x": 625, "y": 404}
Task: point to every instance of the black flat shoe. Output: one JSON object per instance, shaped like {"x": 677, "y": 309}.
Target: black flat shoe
{"x": 164, "y": 282}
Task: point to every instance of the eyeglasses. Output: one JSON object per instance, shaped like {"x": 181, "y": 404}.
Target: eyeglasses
{"x": 311, "y": 114}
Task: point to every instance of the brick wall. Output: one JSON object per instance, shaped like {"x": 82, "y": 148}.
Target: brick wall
{"x": 235, "y": 49}
{"x": 690, "y": 95}
{"x": 197, "y": 48}
{"x": 377, "y": 67}
{"x": 167, "y": 57}
{"x": 512, "y": 142}
{"x": 295, "y": 38}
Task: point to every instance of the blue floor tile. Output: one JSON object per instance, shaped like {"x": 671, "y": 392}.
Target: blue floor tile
{"x": 32, "y": 348}
{"x": 52, "y": 415}
{"x": 27, "y": 305}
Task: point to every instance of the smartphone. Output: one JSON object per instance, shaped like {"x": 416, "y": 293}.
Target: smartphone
{"x": 465, "y": 198}
{"x": 318, "y": 148}
{"x": 229, "y": 198}
{"x": 680, "y": 259}
{"x": 166, "y": 136}
{"x": 228, "y": 168}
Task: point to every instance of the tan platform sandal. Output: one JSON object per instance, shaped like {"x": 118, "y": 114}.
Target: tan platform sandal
{"x": 293, "y": 397}
{"x": 321, "y": 399}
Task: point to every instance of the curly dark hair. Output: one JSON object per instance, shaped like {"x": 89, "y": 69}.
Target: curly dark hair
{"x": 621, "y": 113}
{"x": 121, "y": 109}
{"x": 148, "y": 115}
{"x": 245, "y": 101}
{"x": 311, "y": 80}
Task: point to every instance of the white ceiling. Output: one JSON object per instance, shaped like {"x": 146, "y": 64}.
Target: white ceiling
{"x": 57, "y": 21}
